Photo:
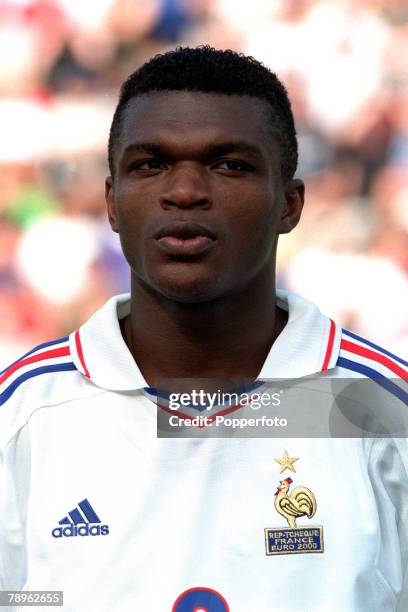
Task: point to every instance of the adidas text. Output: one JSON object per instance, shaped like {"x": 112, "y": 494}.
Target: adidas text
{"x": 80, "y": 530}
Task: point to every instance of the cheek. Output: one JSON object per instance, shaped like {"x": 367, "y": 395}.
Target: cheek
{"x": 130, "y": 222}
{"x": 133, "y": 211}
{"x": 130, "y": 234}
{"x": 128, "y": 207}
{"x": 256, "y": 228}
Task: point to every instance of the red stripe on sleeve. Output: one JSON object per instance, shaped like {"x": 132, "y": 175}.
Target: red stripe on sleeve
{"x": 329, "y": 349}
{"x": 366, "y": 352}
{"x": 58, "y": 352}
{"x": 81, "y": 354}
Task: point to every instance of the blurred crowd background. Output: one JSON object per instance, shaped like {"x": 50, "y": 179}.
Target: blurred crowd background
{"x": 345, "y": 64}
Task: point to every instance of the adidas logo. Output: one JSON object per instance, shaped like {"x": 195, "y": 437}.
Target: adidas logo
{"x": 81, "y": 521}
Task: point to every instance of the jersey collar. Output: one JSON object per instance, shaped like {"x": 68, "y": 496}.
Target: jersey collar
{"x": 308, "y": 344}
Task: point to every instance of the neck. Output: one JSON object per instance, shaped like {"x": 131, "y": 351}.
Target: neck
{"x": 225, "y": 338}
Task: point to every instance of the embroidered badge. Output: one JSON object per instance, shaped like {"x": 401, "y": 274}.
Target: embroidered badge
{"x": 293, "y": 505}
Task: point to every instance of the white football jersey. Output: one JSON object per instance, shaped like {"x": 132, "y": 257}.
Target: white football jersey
{"x": 94, "y": 504}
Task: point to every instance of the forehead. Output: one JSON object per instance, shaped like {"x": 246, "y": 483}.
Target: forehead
{"x": 197, "y": 118}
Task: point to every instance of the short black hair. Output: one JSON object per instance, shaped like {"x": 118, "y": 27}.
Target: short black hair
{"x": 210, "y": 70}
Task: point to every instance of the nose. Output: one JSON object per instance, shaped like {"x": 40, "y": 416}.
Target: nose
{"x": 186, "y": 187}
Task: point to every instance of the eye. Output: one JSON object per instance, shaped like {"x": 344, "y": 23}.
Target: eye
{"x": 232, "y": 164}
{"x": 148, "y": 164}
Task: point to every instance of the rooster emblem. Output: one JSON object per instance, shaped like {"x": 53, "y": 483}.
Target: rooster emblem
{"x": 300, "y": 502}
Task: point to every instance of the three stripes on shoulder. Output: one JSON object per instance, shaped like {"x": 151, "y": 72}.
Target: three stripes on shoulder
{"x": 54, "y": 356}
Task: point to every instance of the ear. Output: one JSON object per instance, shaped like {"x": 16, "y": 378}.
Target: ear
{"x": 292, "y": 209}
{"x": 110, "y": 203}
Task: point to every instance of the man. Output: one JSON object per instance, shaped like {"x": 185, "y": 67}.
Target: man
{"x": 202, "y": 156}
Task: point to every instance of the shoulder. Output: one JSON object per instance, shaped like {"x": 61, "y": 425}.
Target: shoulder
{"x": 44, "y": 376}
{"x": 360, "y": 355}
{"x": 361, "y": 358}
{"x": 53, "y": 356}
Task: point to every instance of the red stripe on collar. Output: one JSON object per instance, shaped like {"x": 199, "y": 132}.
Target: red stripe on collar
{"x": 329, "y": 348}
{"x": 81, "y": 354}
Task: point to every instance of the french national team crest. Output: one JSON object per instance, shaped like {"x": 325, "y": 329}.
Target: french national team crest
{"x": 292, "y": 505}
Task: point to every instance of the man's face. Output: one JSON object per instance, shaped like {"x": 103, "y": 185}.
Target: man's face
{"x": 198, "y": 199}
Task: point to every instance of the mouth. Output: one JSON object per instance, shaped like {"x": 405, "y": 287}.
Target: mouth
{"x": 183, "y": 238}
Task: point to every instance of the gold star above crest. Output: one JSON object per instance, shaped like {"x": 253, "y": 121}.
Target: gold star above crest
{"x": 286, "y": 462}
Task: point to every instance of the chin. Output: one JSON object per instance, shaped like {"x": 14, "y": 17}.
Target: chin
{"x": 191, "y": 293}
{"x": 186, "y": 288}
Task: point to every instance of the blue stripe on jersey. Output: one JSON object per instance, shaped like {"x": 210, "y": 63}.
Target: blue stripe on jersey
{"x": 375, "y": 346}
{"x": 58, "y": 367}
{"x": 37, "y": 348}
{"x": 386, "y": 383}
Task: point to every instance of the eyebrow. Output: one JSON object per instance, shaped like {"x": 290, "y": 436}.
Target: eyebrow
{"x": 143, "y": 147}
{"x": 210, "y": 151}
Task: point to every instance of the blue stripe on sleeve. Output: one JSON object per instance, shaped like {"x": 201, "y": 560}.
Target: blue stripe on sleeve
{"x": 375, "y": 346}
{"x": 386, "y": 383}
{"x": 58, "y": 367}
{"x": 37, "y": 348}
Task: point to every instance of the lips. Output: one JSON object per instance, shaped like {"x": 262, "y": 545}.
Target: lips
{"x": 184, "y": 230}
{"x": 185, "y": 239}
